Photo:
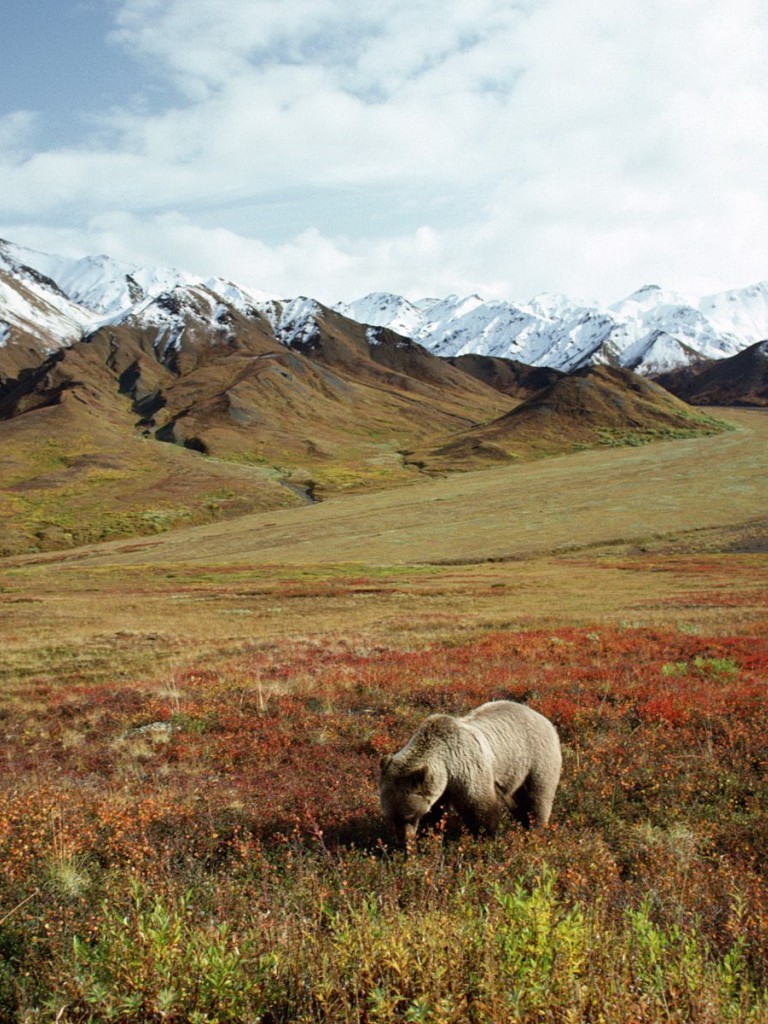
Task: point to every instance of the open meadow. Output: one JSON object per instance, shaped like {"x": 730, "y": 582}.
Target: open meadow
{"x": 192, "y": 725}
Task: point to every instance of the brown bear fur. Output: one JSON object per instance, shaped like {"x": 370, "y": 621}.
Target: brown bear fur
{"x": 500, "y": 756}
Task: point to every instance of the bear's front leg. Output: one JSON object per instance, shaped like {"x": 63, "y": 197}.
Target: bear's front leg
{"x": 480, "y": 812}
{"x": 488, "y": 819}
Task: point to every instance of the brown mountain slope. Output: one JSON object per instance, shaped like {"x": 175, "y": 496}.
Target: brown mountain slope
{"x": 260, "y": 418}
{"x": 76, "y": 471}
{"x": 336, "y": 408}
{"x": 599, "y": 405}
{"x": 739, "y": 380}
{"x": 518, "y": 380}
{"x": 380, "y": 357}
{"x": 80, "y": 457}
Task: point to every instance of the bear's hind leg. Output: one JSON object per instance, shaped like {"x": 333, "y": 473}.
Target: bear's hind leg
{"x": 519, "y": 803}
{"x": 538, "y": 796}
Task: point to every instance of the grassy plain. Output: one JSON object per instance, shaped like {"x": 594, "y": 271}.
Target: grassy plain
{"x": 192, "y": 725}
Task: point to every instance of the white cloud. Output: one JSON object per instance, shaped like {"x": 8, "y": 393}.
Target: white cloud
{"x": 505, "y": 148}
{"x": 16, "y": 133}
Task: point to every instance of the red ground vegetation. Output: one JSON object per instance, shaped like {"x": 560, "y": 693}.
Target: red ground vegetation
{"x": 664, "y": 792}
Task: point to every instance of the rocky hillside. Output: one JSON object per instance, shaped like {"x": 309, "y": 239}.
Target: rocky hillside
{"x": 740, "y": 380}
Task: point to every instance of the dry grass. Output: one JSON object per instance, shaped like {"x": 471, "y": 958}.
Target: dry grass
{"x": 71, "y": 476}
{"x": 111, "y": 622}
{"x": 611, "y": 536}
{"x": 590, "y": 498}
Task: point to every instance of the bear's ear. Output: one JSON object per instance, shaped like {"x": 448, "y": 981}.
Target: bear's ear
{"x": 385, "y": 762}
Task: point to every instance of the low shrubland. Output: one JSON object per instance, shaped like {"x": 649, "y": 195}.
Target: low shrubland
{"x": 208, "y": 846}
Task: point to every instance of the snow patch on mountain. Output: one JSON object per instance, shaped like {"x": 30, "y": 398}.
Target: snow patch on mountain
{"x": 646, "y": 299}
{"x": 741, "y": 312}
{"x": 554, "y": 305}
{"x": 382, "y": 310}
{"x": 658, "y": 352}
{"x": 114, "y": 290}
{"x": 248, "y": 301}
{"x": 109, "y": 287}
{"x": 33, "y": 303}
{"x": 183, "y": 311}
{"x": 296, "y": 324}
{"x": 547, "y": 332}
{"x": 32, "y": 311}
{"x": 101, "y": 284}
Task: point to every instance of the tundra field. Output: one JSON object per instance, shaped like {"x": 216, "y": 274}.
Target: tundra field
{"x": 192, "y": 726}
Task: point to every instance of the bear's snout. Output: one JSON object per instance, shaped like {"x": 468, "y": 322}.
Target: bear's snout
{"x": 405, "y": 832}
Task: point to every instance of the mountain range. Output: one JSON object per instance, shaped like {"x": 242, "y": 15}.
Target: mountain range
{"x": 651, "y": 331}
{"x": 270, "y": 402}
{"x": 57, "y": 299}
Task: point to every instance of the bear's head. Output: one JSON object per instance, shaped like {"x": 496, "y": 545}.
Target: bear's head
{"x": 407, "y": 794}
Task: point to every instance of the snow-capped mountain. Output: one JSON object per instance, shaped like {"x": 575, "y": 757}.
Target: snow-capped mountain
{"x": 50, "y": 301}
{"x": 100, "y": 285}
{"x": 46, "y": 320}
{"x": 113, "y": 290}
{"x": 650, "y": 331}
{"x": 742, "y": 312}
{"x": 91, "y": 292}
{"x": 380, "y": 309}
{"x": 34, "y": 309}
{"x": 105, "y": 358}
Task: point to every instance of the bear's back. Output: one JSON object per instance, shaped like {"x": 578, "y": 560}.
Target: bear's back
{"x": 507, "y": 724}
{"x": 507, "y": 712}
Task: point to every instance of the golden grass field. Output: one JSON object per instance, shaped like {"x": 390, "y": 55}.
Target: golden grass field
{"x": 607, "y": 535}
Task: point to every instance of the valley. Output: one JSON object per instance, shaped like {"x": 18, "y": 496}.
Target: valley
{"x": 139, "y": 400}
{"x": 610, "y": 535}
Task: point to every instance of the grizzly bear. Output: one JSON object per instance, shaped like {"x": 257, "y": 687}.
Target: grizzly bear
{"x": 502, "y": 755}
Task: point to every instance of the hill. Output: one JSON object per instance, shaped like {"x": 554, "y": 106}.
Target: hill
{"x": 511, "y": 377}
{"x": 597, "y": 406}
{"x": 75, "y": 470}
{"x": 285, "y": 414}
{"x": 739, "y": 380}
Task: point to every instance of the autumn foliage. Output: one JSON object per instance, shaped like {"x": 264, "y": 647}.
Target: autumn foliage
{"x": 209, "y": 847}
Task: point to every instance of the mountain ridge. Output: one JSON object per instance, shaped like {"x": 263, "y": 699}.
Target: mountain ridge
{"x": 741, "y": 379}
{"x": 651, "y": 331}
{"x": 592, "y": 407}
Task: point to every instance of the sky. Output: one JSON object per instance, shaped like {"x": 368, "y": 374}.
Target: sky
{"x": 425, "y": 147}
